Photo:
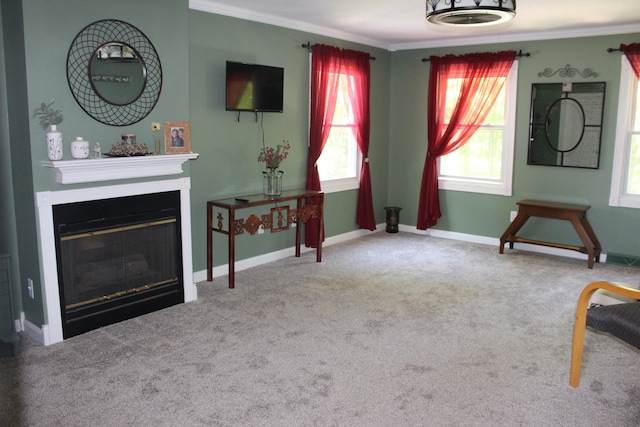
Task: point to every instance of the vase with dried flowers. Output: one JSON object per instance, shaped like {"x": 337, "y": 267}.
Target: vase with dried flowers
{"x": 271, "y": 176}
{"x": 50, "y": 118}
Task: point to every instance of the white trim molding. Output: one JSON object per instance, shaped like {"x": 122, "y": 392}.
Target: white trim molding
{"x": 113, "y": 168}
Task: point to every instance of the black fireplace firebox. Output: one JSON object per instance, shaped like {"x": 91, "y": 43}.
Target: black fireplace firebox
{"x": 117, "y": 259}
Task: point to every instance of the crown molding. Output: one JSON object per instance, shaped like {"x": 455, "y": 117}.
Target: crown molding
{"x": 429, "y": 42}
{"x": 503, "y": 37}
{"x": 234, "y": 12}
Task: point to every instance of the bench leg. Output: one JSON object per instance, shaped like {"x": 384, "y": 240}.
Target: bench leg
{"x": 512, "y": 229}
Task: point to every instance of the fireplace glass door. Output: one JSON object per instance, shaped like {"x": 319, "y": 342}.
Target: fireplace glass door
{"x": 117, "y": 259}
{"x": 110, "y": 263}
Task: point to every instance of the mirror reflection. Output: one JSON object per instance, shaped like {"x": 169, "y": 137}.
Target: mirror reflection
{"x": 565, "y": 124}
{"x": 117, "y": 73}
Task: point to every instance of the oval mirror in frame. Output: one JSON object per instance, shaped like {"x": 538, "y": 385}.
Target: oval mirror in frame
{"x": 565, "y": 125}
{"x": 114, "y": 72}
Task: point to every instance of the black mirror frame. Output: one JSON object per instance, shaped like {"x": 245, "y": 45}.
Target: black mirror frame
{"x": 81, "y": 51}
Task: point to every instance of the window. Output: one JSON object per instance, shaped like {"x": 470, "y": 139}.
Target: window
{"x": 485, "y": 163}
{"x": 625, "y": 182}
{"x": 339, "y": 164}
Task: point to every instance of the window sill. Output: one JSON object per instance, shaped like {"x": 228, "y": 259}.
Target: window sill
{"x": 497, "y": 188}
{"x": 337, "y": 185}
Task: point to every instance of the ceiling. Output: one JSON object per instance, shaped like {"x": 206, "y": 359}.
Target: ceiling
{"x": 401, "y": 24}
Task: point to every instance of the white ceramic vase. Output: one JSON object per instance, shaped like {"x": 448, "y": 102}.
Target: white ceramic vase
{"x": 54, "y": 144}
{"x": 79, "y": 148}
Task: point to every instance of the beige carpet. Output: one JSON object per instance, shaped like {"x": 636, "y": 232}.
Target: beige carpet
{"x": 390, "y": 329}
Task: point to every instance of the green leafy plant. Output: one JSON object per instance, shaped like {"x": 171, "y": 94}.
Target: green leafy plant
{"x": 48, "y": 115}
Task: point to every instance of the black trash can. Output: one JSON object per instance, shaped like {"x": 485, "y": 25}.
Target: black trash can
{"x": 393, "y": 218}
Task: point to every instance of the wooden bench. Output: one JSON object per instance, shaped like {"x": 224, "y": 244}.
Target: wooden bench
{"x": 577, "y": 214}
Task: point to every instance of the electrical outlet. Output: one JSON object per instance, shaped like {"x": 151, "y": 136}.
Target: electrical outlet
{"x": 30, "y": 288}
{"x": 261, "y": 229}
{"x": 513, "y": 216}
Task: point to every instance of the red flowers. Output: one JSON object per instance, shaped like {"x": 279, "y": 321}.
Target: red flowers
{"x": 274, "y": 156}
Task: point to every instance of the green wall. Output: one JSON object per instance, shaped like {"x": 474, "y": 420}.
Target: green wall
{"x": 229, "y": 148}
{"x": 488, "y": 215}
{"x": 193, "y": 47}
{"x": 47, "y": 29}
{"x": 8, "y": 227}
{"x": 19, "y": 237}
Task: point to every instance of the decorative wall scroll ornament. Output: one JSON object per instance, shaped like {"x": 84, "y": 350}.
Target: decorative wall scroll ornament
{"x": 567, "y": 71}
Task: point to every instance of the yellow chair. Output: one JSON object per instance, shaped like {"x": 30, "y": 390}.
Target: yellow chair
{"x": 620, "y": 320}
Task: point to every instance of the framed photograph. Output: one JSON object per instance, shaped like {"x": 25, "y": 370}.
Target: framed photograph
{"x": 177, "y": 137}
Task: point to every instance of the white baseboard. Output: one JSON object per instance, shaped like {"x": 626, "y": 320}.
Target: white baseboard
{"x": 40, "y": 335}
{"x": 223, "y": 270}
{"x": 493, "y": 241}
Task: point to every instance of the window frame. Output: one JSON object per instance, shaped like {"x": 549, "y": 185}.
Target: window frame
{"x": 504, "y": 185}
{"x": 627, "y": 103}
{"x": 344, "y": 184}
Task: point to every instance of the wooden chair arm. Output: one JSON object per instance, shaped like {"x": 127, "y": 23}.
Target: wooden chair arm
{"x": 613, "y": 287}
{"x": 581, "y": 321}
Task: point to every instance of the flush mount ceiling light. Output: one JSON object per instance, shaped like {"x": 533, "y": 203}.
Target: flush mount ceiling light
{"x": 473, "y": 13}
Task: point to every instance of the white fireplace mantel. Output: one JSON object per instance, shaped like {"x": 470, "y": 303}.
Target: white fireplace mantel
{"x": 111, "y": 168}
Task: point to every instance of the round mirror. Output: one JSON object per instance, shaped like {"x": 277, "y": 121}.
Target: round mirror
{"x": 564, "y": 124}
{"x": 117, "y": 73}
{"x": 114, "y": 72}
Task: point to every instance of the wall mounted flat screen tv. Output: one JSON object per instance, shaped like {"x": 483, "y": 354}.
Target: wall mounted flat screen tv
{"x": 252, "y": 87}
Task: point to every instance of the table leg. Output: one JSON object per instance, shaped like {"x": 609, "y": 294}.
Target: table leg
{"x": 209, "y": 243}
{"x": 320, "y": 227}
{"x": 232, "y": 249}
{"x": 299, "y": 208}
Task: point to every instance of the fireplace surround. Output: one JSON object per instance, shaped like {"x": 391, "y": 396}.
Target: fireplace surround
{"x": 163, "y": 291}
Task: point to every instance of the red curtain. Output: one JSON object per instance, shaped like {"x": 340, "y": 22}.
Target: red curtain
{"x": 483, "y": 76}
{"x": 359, "y": 95}
{"x": 632, "y": 51}
{"x": 327, "y": 63}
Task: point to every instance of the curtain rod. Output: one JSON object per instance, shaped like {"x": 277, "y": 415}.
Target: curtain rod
{"x": 308, "y": 46}
{"x": 613, "y": 49}
{"x": 520, "y": 54}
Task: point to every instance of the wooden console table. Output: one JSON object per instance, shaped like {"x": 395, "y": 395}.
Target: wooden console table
{"x": 577, "y": 214}
{"x": 279, "y": 219}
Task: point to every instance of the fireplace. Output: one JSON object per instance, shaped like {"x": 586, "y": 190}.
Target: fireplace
{"x": 117, "y": 258}
{"x": 110, "y": 253}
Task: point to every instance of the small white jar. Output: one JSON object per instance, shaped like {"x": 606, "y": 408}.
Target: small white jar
{"x": 79, "y": 148}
